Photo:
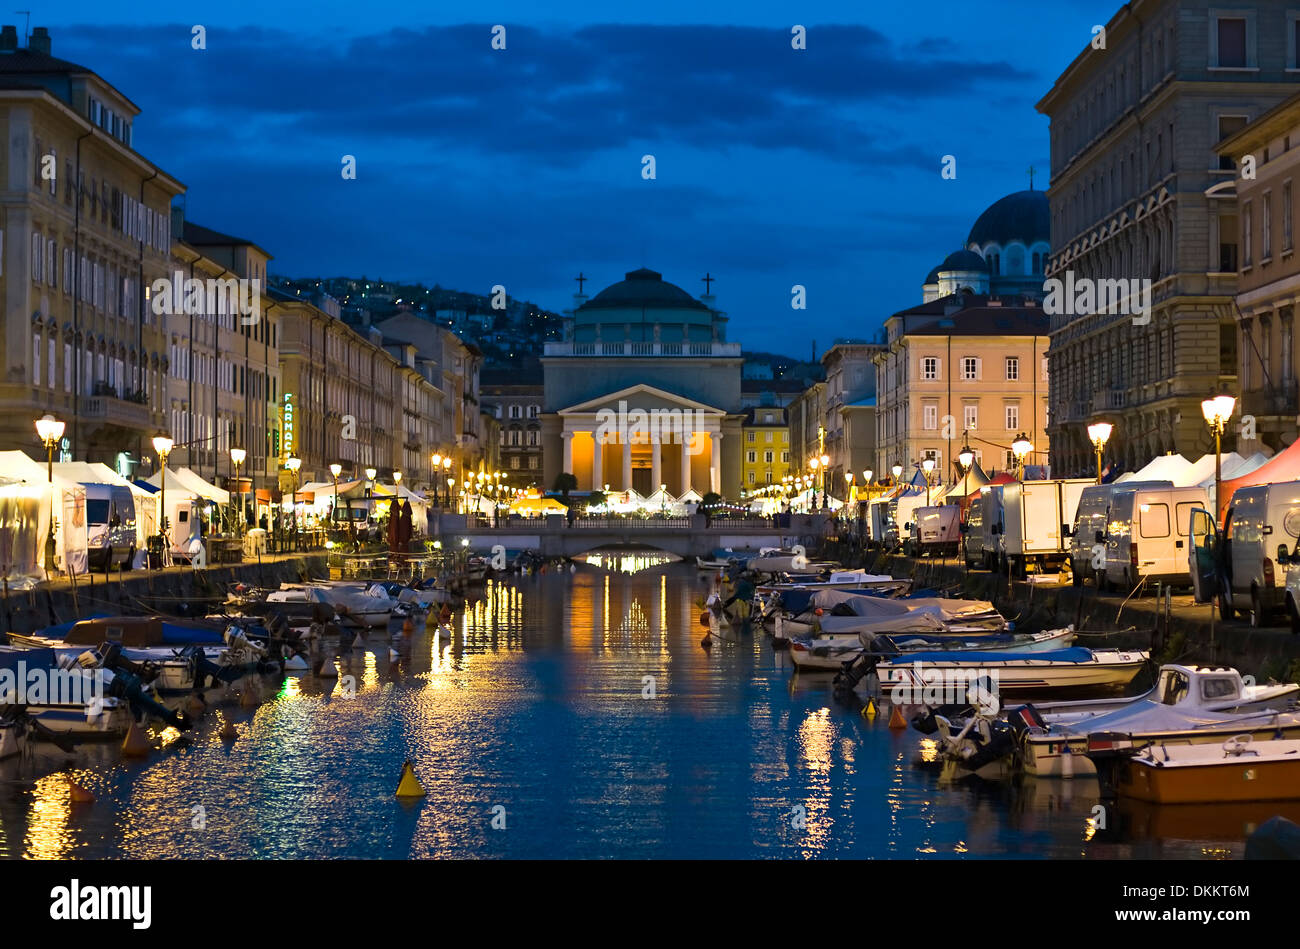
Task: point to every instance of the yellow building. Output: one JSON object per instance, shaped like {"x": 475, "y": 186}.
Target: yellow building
{"x": 765, "y": 451}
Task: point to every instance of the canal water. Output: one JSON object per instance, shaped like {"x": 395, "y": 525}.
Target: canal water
{"x": 570, "y": 714}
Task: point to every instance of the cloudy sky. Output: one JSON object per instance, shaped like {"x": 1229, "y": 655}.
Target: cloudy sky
{"x": 523, "y": 166}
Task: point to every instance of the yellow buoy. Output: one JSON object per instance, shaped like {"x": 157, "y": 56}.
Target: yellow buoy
{"x": 79, "y": 794}
{"x": 870, "y": 710}
{"x": 410, "y": 785}
{"x": 896, "y": 719}
{"x": 135, "y": 744}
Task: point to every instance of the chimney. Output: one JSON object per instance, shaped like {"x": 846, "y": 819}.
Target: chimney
{"x": 40, "y": 40}
{"x": 8, "y": 39}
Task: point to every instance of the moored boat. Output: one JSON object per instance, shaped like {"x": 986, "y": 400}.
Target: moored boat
{"x": 1237, "y": 770}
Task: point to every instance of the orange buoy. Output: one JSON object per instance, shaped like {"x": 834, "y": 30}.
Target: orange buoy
{"x": 896, "y": 719}
{"x": 704, "y": 618}
{"x": 135, "y": 744}
{"x": 78, "y": 794}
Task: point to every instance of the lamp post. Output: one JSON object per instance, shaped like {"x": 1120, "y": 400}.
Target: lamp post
{"x": 437, "y": 468}
{"x": 451, "y": 484}
{"x": 293, "y": 464}
{"x": 162, "y": 445}
{"x": 965, "y": 458}
{"x": 1020, "y": 449}
{"x": 335, "y": 470}
{"x": 1099, "y": 434}
{"x": 50, "y": 430}
{"x": 1217, "y": 410}
{"x": 927, "y": 466}
{"x": 237, "y": 456}
{"x": 370, "y": 483}
{"x": 897, "y": 472}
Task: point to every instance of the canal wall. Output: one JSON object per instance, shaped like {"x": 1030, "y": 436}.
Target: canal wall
{"x": 176, "y": 591}
{"x": 1174, "y": 628}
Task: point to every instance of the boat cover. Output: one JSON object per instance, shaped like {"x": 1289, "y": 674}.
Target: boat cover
{"x": 1073, "y": 654}
{"x": 1148, "y": 715}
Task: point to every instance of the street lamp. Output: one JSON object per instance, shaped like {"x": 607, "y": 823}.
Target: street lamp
{"x": 1217, "y": 410}
{"x": 437, "y": 465}
{"x": 293, "y": 464}
{"x": 1020, "y": 449}
{"x": 1099, "y": 434}
{"x": 965, "y": 458}
{"x": 162, "y": 445}
{"x": 897, "y": 472}
{"x": 50, "y": 430}
{"x": 335, "y": 470}
{"x": 237, "y": 456}
{"x": 927, "y": 466}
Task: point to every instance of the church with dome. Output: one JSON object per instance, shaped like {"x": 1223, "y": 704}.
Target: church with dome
{"x": 643, "y": 391}
{"x": 1005, "y": 253}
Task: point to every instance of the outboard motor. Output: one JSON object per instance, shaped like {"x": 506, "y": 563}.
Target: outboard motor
{"x": 854, "y": 671}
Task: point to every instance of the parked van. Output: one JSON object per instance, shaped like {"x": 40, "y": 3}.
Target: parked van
{"x": 971, "y": 530}
{"x": 1091, "y": 520}
{"x": 938, "y": 529}
{"x": 1237, "y": 565}
{"x": 1036, "y": 518}
{"x": 110, "y": 526}
{"x": 905, "y": 519}
{"x": 1147, "y": 534}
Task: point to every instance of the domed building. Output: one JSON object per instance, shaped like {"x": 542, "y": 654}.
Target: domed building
{"x": 679, "y": 421}
{"x": 1011, "y": 239}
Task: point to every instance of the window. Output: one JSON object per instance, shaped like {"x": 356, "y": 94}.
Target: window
{"x": 1288, "y": 240}
{"x": 751, "y": 456}
{"x": 36, "y": 359}
{"x": 767, "y": 437}
{"x": 38, "y": 255}
{"x": 970, "y": 368}
{"x": 1247, "y": 222}
{"x": 751, "y": 477}
{"x": 1013, "y": 368}
{"x": 49, "y": 362}
{"x": 749, "y": 437}
{"x": 1231, "y": 42}
{"x": 970, "y": 417}
{"x": 929, "y": 368}
{"x": 1228, "y": 243}
{"x": 514, "y": 411}
{"x": 1155, "y": 520}
{"x": 1013, "y": 418}
{"x": 930, "y": 417}
{"x": 767, "y": 457}
{"x": 532, "y": 411}
{"x": 1266, "y": 226}
{"x": 1229, "y": 125}
{"x": 785, "y": 457}
{"x": 532, "y": 462}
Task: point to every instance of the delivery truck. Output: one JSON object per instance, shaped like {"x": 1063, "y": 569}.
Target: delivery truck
{"x": 1036, "y": 519}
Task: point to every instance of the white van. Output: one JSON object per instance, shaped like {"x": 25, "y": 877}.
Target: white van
{"x": 1236, "y": 565}
{"x": 986, "y": 546}
{"x": 1091, "y": 520}
{"x": 971, "y": 530}
{"x": 938, "y": 529}
{"x": 905, "y": 519}
{"x": 1036, "y": 519}
{"x": 1147, "y": 534}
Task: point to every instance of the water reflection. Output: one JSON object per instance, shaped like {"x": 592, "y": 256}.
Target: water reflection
{"x": 579, "y": 707}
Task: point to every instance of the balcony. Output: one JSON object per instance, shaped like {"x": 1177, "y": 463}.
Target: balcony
{"x": 1108, "y": 400}
{"x": 1272, "y": 401}
{"x": 642, "y": 349}
{"x": 125, "y": 412}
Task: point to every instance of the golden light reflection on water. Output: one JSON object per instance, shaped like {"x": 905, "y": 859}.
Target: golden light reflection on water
{"x": 48, "y": 836}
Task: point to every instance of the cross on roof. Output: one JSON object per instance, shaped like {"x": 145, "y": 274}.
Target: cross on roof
{"x": 581, "y": 278}
{"x": 708, "y": 280}
{"x": 1031, "y": 177}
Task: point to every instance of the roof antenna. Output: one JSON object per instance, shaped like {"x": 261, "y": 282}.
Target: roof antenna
{"x": 27, "y": 27}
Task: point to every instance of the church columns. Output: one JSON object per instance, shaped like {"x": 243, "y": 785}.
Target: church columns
{"x": 568, "y": 451}
{"x": 656, "y": 468}
{"x": 627, "y": 462}
{"x": 597, "y": 463}
{"x": 715, "y": 462}
{"x": 686, "y": 463}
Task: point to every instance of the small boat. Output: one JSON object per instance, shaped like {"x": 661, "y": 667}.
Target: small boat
{"x": 1236, "y": 771}
{"x": 829, "y": 653}
{"x": 1189, "y": 704}
{"x": 1076, "y": 667}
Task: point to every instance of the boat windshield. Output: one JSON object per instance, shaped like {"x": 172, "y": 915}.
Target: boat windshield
{"x": 1173, "y": 687}
{"x": 1219, "y": 687}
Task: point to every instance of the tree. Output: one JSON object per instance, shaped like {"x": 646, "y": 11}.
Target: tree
{"x": 710, "y": 499}
{"x": 564, "y": 483}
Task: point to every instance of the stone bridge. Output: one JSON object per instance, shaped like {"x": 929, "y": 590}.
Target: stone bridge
{"x": 685, "y": 537}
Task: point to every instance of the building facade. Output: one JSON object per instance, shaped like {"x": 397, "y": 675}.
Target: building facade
{"x": 515, "y": 406}
{"x": 643, "y": 390}
{"x": 766, "y": 446}
{"x": 84, "y": 232}
{"x": 850, "y": 411}
{"x": 963, "y": 370}
{"x": 1139, "y": 195}
{"x": 1268, "y": 276}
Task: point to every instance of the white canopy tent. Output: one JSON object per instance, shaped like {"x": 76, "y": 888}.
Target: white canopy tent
{"x": 25, "y": 520}
{"x": 146, "y": 502}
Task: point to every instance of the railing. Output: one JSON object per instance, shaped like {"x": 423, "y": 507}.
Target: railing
{"x": 1272, "y": 400}
{"x": 131, "y": 414}
{"x": 633, "y": 523}
{"x": 628, "y": 348}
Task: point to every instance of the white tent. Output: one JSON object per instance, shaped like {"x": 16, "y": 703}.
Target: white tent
{"x": 146, "y": 502}
{"x": 25, "y": 520}
{"x": 1174, "y": 468}
{"x": 185, "y": 491}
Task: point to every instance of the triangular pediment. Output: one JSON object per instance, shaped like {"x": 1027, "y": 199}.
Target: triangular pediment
{"x": 641, "y": 396}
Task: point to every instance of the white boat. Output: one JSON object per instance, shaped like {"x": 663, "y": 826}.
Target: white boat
{"x": 829, "y": 653}
{"x": 1188, "y": 705}
{"x": 368, "y": 607}
{"x": 1076, "y": 667}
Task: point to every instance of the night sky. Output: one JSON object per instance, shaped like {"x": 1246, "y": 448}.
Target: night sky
{"x": 521, "y": 167}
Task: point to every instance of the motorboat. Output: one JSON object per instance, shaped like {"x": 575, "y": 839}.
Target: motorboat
{"x": 1189, "y": 704}
{"x": 371, "y": 606}
{"x": 1072, "y": 668}
{"x": 830, "y": 653}
{"x": 1237, "y": 770}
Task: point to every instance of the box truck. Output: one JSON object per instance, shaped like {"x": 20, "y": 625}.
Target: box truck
{"x": 1036, "y": 519}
